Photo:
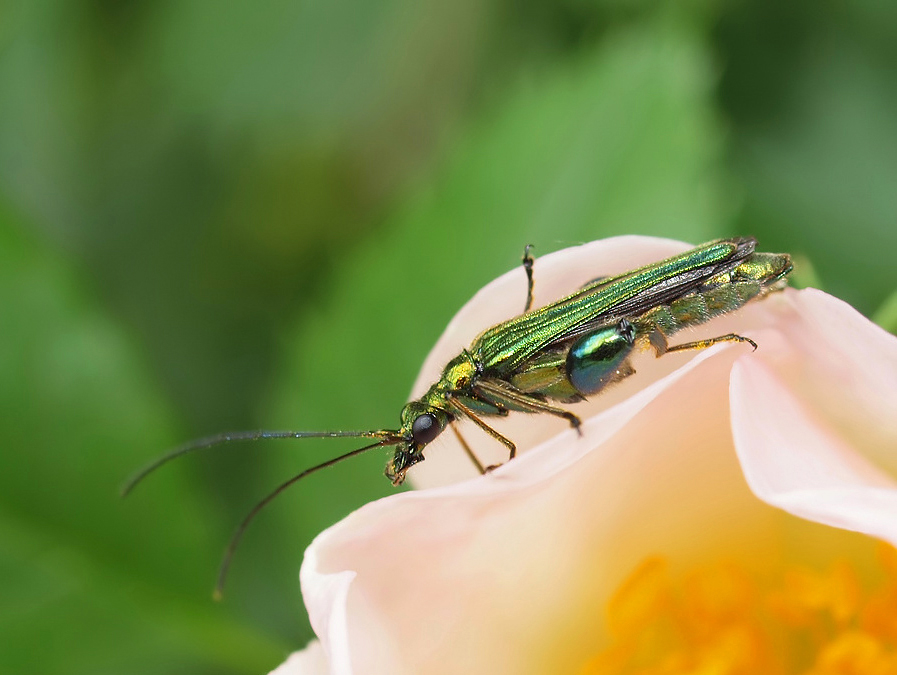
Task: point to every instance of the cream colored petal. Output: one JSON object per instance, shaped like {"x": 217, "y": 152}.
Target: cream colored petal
{"x": 326, "y": 601}
{"x": 511, "y": 572}
{"x": 310, "y": 661}
{"x": 815, "y": 415}
{"x": 804, "y": 461}
{"x": 845, "y": 368}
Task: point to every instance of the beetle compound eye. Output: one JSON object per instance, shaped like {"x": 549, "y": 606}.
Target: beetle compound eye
{"x": 425, "y": 428}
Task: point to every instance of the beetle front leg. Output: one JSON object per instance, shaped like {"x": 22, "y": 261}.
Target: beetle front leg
{"x": 464, "y": 411}
{"x": 467, "y": 449}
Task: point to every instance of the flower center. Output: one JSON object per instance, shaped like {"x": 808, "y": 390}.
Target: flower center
{"x": 721, "y": 620}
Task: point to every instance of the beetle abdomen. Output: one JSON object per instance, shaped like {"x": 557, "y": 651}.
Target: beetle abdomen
{"x": 600, "y": 358}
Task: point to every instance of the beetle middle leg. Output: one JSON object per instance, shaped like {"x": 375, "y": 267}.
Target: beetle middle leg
{"x": 501, "y": 393}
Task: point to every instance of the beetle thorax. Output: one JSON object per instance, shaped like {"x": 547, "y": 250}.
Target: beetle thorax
{"x": 459, "y": 373}
{"x": 457, "y": 376}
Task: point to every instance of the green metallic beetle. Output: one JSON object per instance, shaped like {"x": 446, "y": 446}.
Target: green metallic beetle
{"x": 561, "y": 353}
{"x": 575, "y": 347}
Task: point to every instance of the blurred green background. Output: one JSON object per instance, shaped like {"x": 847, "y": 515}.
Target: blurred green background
{"x": 218, "y": 215}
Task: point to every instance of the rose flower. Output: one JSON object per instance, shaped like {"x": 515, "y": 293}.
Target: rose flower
{"x": 723, "y": 511}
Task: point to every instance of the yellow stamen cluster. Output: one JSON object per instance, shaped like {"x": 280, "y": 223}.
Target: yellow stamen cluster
{"x": 721, "y": 620}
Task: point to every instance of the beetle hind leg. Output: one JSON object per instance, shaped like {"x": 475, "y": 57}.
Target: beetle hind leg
{"x": 658, "y": 340}
{"x": 709, "y": 342}
{"x": 528, "y": 261}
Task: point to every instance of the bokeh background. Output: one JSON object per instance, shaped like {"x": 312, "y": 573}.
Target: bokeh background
{"x": 219, "y": 214}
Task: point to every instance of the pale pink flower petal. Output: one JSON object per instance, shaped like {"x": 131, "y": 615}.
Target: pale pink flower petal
{"x": 846, "y": 367}
{"x": 791, "y": 448}
{"x": 512, "y": 571}
{"x": 439, "y": 575}
{"x": 310, "y": 661}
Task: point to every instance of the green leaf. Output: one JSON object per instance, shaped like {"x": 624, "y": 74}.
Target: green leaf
{"x": 92, "y": 584}
{"x": 814, "y": 138}
{"x": 886, "y": 315}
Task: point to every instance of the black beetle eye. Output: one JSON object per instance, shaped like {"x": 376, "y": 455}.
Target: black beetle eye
{"x": 425, "y": 428}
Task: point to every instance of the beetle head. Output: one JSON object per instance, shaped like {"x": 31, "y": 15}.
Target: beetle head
{"x": 421, "y": 424}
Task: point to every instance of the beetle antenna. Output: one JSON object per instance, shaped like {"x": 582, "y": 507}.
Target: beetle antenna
{"x": 241, "y": 528}
{"x": 229, "y": 437}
